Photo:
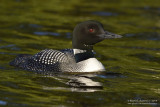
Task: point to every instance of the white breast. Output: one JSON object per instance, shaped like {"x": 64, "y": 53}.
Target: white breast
{"x": 91, "y": 65}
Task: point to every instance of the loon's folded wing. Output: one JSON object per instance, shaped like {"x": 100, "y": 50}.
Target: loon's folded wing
{"x": 45, "y": 60}
{"x": 49, "y": 56}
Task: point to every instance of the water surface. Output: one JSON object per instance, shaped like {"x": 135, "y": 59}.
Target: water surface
{"x": 132, "y": 63}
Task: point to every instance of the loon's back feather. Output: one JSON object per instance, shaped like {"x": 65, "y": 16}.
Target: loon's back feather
{"x": 46, "y": 60}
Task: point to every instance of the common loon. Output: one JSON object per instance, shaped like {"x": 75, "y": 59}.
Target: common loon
{"x": 79, "y": 59}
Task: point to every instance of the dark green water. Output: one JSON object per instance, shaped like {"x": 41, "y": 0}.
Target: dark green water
{"x": 133, "y": 62}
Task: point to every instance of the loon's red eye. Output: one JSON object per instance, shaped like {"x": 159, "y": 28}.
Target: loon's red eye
{"x": 91, "y": 30}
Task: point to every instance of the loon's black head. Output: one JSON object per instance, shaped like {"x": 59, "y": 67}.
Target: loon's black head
{"x": 88, "y": 33}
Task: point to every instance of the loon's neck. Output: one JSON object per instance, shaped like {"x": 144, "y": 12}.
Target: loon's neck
{"x": 81, "y": 55}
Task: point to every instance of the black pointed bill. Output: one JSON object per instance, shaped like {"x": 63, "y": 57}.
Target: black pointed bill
{"x": 109, "y": 35}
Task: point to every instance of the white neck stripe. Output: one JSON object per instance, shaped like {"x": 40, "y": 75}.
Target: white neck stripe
{"x": 77, "y": 51}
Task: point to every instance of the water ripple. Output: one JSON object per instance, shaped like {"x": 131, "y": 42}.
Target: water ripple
{"x": 145, "y": 35}
{"x": 46, "y": 33}
{"x": 3, "y": 102}
{"x": 66, "y": 35}
{"x": 10, "y": 46}
{"x": 146, "y": 57}
{"x": 112, "y": 75}
{"x": 101, "y": 13}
